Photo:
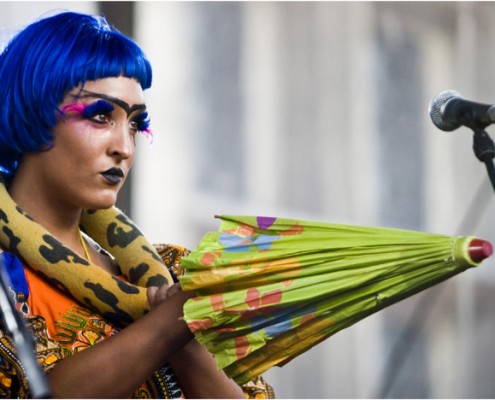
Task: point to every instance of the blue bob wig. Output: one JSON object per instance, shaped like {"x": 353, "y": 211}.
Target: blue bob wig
{"x": 47, "y": 59}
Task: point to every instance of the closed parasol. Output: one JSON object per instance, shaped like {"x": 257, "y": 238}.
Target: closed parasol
{"x": 269, "y": 289}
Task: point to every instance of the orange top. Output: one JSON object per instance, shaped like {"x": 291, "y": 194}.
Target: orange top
{"x": 73, "y": 326}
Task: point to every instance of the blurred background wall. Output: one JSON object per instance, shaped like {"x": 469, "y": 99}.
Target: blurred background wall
{"x": 319, "y": 110}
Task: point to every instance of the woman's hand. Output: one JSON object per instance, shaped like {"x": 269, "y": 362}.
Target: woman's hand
{"x": 157, "y": 295}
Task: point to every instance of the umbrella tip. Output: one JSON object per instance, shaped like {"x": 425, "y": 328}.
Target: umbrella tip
{"x": 479, "y": 250}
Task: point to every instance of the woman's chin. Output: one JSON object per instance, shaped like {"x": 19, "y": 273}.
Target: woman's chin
{"x": 102, "y": 203}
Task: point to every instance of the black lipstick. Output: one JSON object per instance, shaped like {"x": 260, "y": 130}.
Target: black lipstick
{"x": 113, "y": 175}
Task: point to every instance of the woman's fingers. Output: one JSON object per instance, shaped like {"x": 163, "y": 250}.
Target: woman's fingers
{"x": 150, "y": 294}
{"x": 156, "y": 295}
{"x": 174, "y": 289}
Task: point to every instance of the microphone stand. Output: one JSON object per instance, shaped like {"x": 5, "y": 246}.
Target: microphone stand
{"x": 484, "y": 149}
{"x": 23, "y": 341}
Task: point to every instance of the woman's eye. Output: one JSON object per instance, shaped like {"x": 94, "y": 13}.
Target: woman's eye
{"x": 141, "y": 123}
{"x": 100, "y": 118}
{"x": 99, "y": 112}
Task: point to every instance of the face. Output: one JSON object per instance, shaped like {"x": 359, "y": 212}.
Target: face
{"x": 94, "y": 142}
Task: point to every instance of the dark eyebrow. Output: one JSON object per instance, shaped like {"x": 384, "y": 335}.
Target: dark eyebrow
{"x": 122, "y": 104}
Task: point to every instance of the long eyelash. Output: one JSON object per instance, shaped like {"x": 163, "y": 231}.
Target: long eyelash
{"x": 98, "y": 107}
{"x": 143, "y": 122}
{"x": 148, "y": 134}
{"x": 73, "y": 108}
{"x": 88, "y": 111}
{"x": 143, "y": 125}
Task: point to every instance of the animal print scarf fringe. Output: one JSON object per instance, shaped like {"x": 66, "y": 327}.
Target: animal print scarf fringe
{"x": 116, "y": 300}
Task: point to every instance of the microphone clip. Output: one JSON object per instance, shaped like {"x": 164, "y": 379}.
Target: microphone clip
{"x": 483, "y": 146}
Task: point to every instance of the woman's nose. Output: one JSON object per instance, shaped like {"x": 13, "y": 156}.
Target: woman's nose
{"x": 122, "y": 142}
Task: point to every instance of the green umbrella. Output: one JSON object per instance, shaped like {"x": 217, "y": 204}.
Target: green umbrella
{"x": 269, "y": 289}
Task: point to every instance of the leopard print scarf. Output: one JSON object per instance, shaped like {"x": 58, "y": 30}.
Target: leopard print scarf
{"x": 116, "y": 300}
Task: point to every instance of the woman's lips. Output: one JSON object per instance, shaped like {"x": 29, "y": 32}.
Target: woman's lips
{"x": 113, "y": 175}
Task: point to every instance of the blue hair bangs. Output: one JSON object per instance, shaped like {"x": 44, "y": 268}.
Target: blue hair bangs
{"x": 44, "y": 62}
{"x": 109, "y": 54}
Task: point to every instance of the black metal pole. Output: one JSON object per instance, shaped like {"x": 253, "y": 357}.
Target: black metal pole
{"x": 490, "y": 168}
{"x": 484, "y": 149}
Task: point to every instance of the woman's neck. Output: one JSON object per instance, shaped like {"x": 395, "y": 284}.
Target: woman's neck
{"x": 61, "y": 220}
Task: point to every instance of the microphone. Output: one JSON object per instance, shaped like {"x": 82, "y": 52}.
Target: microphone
{"x": 449, "y": 110}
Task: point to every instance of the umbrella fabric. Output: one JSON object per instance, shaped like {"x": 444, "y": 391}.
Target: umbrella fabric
{"x": 269, "y": 289}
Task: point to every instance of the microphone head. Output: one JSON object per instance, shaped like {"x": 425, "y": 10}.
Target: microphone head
{"x": 435, "y": 110}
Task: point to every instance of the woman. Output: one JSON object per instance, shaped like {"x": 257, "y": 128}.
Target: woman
{"x": 105, "y": 325}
